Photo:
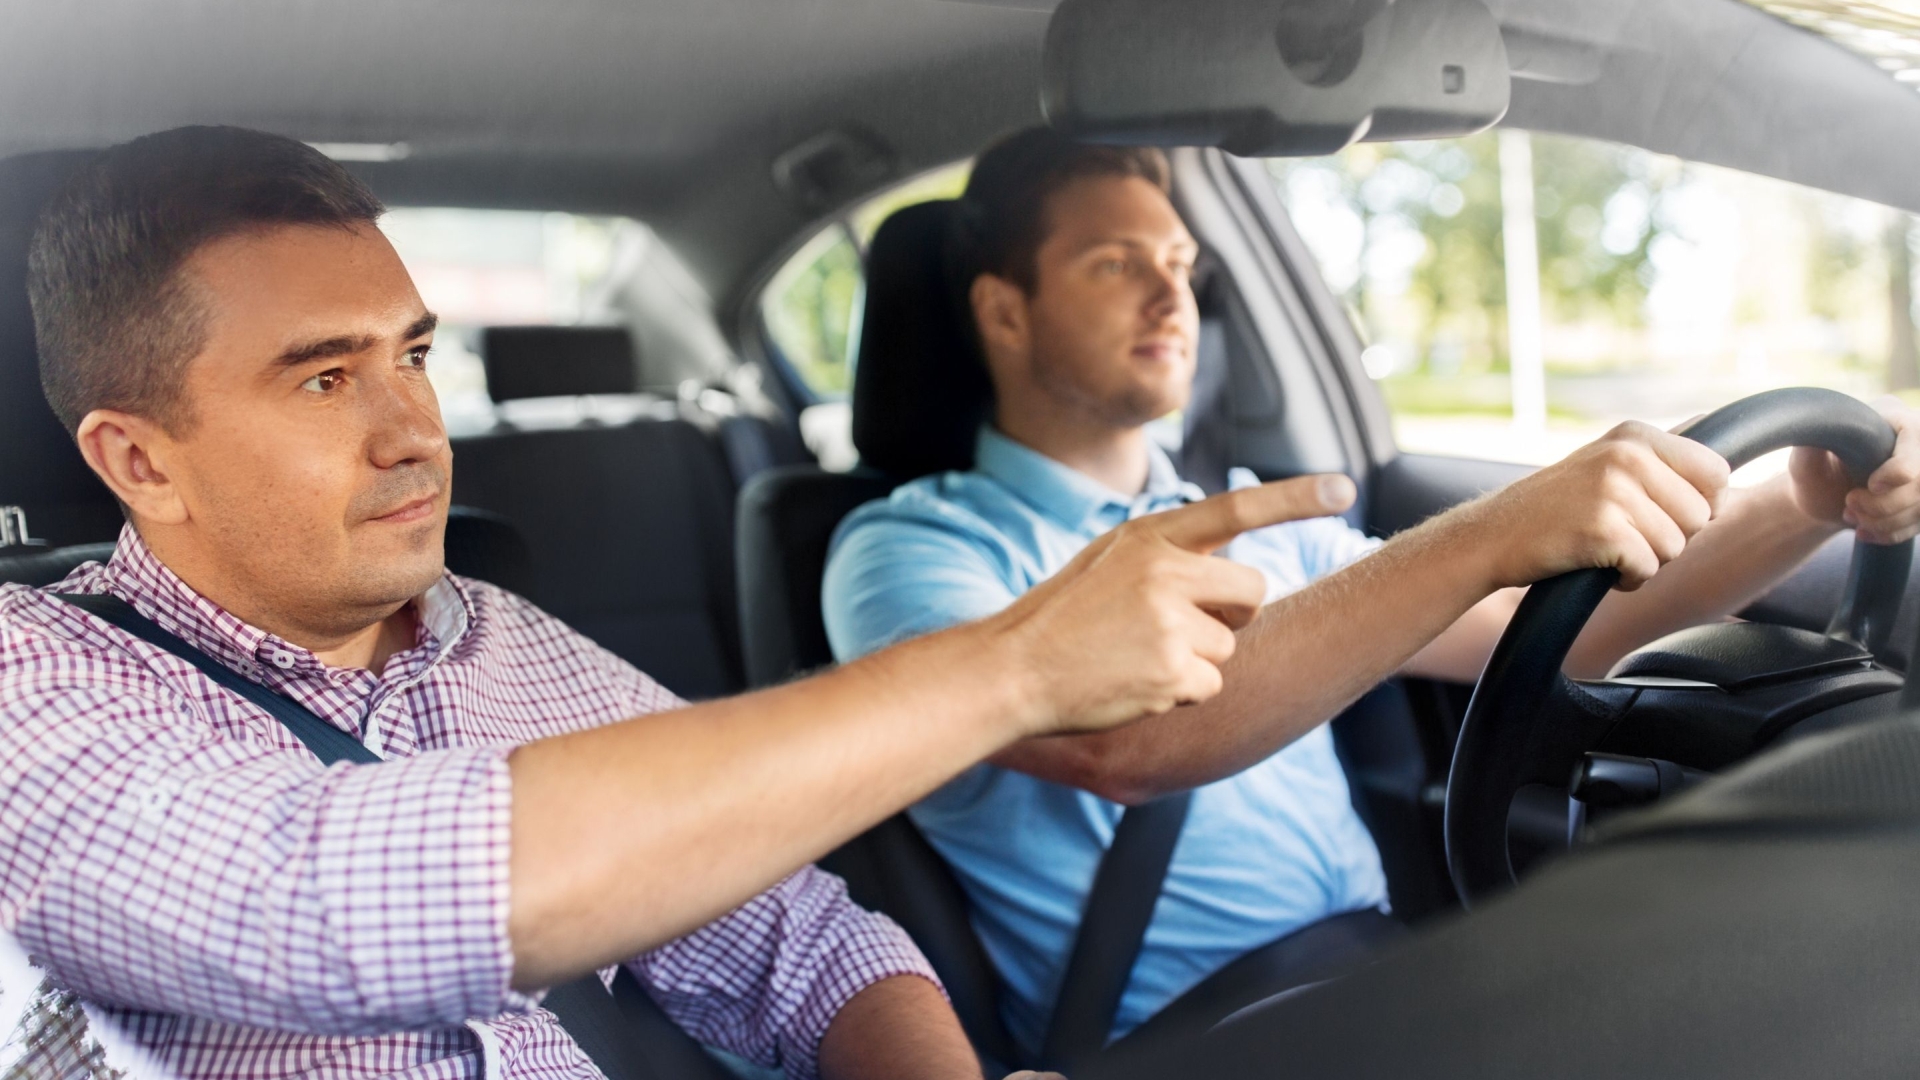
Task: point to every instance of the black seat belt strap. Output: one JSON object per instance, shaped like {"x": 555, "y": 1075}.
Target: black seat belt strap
{"x": 623, "y": 1032}
{"x": 327, "y": 742}
{"x": 1112, "y": 927}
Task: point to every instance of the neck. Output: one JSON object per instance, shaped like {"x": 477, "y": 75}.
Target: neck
{"x": 1114, "y": 456}
{"x": 372, "y": 647}
{"x": 361, "y": 639}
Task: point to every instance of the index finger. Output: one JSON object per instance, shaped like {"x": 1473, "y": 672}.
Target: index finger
{"x": 1211, "y": 523}
{"x": 1696, "y": 463}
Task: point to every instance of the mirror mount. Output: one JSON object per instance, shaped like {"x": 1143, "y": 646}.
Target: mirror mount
{"x": 1273, "y": 77}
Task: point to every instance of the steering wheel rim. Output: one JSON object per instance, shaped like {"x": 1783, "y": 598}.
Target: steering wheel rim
{"x": 1527, "y": 722}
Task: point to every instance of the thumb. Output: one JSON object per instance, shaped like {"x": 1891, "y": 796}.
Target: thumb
{"x": 1209, "y": 524}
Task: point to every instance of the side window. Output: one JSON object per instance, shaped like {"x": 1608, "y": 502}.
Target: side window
{"x": 811, "y": 308}
{"x": 1519, "y": 294}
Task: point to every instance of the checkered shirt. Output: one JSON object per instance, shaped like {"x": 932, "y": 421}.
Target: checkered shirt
{"x": 173, "y": 855}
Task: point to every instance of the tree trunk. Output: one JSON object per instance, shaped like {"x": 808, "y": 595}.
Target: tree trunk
{"x": 1903, "y": 360}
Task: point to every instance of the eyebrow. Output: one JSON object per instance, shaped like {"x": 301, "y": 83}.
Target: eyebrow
{"x": 345, "y": 345}
{"x": 1130, "y": 242}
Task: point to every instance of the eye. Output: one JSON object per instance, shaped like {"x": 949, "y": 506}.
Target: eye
{"x": 1112, "y": 266}
{"x": 417, "y": 356}
{"x": 326, "y": 382}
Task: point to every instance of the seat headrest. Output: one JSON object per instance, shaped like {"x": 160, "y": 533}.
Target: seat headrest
{"x": 920, "y": 388}
{"x": 40, "y": 468}
{"x": 558, "y": 361}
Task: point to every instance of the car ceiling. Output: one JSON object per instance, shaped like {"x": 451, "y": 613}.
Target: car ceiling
{"x": 673, "y": 110}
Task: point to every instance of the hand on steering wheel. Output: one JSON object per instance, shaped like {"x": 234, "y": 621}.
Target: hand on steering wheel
{"x": 1716, "y": 695}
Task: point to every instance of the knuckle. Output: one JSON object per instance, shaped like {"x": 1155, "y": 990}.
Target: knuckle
{"x": 1621, "y": 457}
{"x": 1172, "y": 659}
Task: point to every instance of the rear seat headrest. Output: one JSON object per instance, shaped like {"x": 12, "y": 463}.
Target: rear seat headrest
{"x": 558, "y": 361}
{"x": 920, "y": 388}
{"x": 40, "y": 468}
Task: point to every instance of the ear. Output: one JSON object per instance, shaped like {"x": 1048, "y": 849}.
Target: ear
{"x": 1000, "y": 313}
{"x": 129, "y": 454}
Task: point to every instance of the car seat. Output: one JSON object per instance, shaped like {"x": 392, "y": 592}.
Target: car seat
{"x": 630, "y": 522}
{"x": 919, "y": 396}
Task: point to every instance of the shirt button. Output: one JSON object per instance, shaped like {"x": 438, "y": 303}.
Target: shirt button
{"x": 282, "y": 660}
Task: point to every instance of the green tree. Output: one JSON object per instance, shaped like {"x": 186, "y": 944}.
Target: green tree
{"x": 1598, "y": 210}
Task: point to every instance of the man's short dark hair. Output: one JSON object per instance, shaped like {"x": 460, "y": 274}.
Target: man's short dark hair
{"x": 116, "y": 322}
{"x": 1004, "y": 210}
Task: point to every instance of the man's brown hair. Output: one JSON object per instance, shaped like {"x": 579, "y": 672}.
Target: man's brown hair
{"x": 116, "y": 323}
{"x": 1004, "y": 209}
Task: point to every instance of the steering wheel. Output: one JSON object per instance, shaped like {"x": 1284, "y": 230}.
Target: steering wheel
{"x": 1700, "y": 699}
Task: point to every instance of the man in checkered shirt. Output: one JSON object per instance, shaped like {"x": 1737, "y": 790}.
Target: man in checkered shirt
{"x": 240, "y": 356}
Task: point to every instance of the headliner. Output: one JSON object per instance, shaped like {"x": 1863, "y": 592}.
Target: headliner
{"x": 672, "y": 110}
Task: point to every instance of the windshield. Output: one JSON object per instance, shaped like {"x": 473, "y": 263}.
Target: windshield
{"x": 1888, "y": 32}
{"x": 1521, "y": 293}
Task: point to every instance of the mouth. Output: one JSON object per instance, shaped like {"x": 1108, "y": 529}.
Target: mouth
{"x": 1160, "y": 351}
{"x": 407, "y": 513}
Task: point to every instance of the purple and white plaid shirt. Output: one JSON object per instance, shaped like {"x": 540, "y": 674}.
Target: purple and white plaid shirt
{"x": 172, "y": 854}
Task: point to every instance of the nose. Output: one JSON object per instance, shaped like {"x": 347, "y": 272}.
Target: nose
{"x": 1169, "y": 291}
{"x": 404, "y": 426}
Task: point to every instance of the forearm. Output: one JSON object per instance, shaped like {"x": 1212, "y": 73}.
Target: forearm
{"x": 1307, "y": 656}
{"x": 1759, "y": 537}
{"x": 897, "y": 1029}
{"x": 629, "y": 835}
{"x": 624, "y": 839}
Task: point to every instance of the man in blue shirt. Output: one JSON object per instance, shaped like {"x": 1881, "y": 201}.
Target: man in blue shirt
{"x": 1081, "y": 298}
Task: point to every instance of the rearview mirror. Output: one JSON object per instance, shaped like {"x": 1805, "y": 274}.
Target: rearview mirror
{"x": 1273, "y": 77}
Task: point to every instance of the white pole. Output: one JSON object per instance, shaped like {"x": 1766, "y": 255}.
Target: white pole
{"x": 1526, "y": 370}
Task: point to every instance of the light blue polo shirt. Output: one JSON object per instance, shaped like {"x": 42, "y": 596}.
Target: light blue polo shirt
{"x": 1263, "y": 853}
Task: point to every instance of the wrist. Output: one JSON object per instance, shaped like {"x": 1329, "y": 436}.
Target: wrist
{"x": 963, "y": 680}
{"x": 1475, "y": 546}
{"x": 997, "y": 665}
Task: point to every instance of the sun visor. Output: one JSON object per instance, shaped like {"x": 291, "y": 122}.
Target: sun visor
{"x": 1273, "y": 77}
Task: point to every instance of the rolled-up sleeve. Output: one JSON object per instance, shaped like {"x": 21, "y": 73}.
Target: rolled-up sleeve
{"x": 146, "y": 862}
{"x": 766, "y": 981}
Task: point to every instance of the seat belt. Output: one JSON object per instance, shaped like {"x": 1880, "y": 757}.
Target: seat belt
{"x": 621, "y": 1030}
{"x": 1113, "y": 925}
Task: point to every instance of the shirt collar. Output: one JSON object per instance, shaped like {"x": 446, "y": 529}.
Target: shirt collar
{"x": 136, "y": 575}
{"x": 1071, "y": 497}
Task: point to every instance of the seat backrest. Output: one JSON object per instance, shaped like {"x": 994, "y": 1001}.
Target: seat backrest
{"x": 41, "y": 470}
{"x": 631, "y": 532}
{"x": 630, "y": 525}
{"x": 786, "y": 519}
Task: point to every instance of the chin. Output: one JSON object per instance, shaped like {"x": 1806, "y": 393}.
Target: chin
{"x": 1149, "y": 403}
{"x": 409, "y": 566}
